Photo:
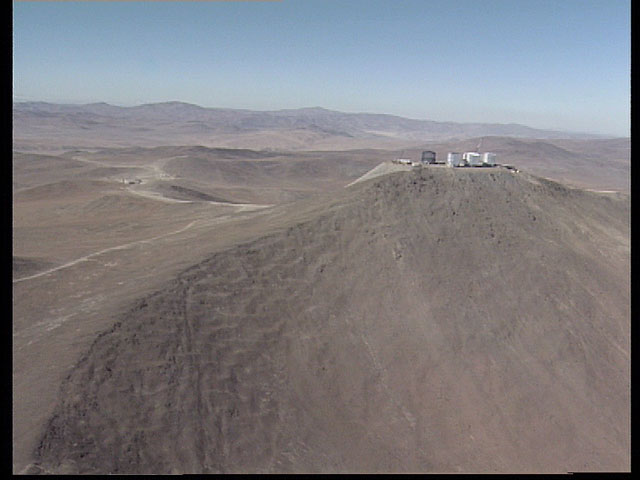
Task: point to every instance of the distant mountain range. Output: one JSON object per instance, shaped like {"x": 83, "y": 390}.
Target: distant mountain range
{"x": 304, "y": 128}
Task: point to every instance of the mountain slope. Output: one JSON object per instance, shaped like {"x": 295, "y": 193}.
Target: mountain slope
{"x": 432, "y": 320}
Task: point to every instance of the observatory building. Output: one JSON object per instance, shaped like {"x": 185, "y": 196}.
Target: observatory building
{"x": 454, "y": 159}
{"x": 473, "y": 159}
{"x": 489, "y": 159}
{"x": 428, "y": 157}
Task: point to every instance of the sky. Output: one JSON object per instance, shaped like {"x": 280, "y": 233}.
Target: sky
{"x": 559, "y": 64}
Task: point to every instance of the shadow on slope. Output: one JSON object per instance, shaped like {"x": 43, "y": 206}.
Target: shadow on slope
{"x": 25, "y": 266}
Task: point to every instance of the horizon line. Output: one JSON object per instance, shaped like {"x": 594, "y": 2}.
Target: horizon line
{"x": 550, "y": 129}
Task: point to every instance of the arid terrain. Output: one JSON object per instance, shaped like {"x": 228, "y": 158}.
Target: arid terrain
{"x": 65, "y": 127}
{"x": 235, "y": 301}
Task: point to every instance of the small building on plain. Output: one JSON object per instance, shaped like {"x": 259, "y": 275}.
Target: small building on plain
{"x": 428, "y": 157}
{"x": 454, "y": 159}
{"x": 403, "y": 161}
{"x": 474, "y": 159}
{"x": 489, "y": 159}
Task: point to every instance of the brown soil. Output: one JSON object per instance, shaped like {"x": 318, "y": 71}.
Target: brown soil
{"x": 435, "y": 320}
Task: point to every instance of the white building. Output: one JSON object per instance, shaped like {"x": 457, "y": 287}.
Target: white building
{"x": 489, "y": 159}
{"x": 454, "y": 159}
{"x": 474, "y": 159}
{"x": 403, "y": 161}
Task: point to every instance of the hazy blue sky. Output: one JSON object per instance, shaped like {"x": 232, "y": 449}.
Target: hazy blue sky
{"x": 561, "y": 64}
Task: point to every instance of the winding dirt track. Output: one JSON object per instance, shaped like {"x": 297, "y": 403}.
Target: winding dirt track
{"x": 105, "y": 250}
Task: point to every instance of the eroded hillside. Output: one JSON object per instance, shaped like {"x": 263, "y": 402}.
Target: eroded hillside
{"x": 436, "y": 320}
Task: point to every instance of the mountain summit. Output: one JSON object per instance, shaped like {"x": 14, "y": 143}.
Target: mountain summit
{"x": 435, "y": 320}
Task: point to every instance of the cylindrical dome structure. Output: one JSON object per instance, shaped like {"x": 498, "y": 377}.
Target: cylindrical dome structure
{"x": 428, "y": 157}
{"x": 474, "y": 159}
{"x": 489, "y": 159}
{"x": 453, "y": 159}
